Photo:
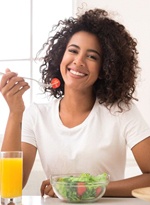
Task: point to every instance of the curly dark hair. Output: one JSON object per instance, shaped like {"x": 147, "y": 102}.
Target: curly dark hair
{"x": 119, "y": 68}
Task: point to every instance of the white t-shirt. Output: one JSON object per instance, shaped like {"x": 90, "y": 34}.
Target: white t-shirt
{"x": 95, "y": 146}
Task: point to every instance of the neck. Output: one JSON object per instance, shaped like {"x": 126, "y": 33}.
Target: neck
{"x": 75, "y": 107}
{"x": 77, "y": 102}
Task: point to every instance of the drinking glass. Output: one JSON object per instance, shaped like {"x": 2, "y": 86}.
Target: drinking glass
{"x": 11, "y": 174}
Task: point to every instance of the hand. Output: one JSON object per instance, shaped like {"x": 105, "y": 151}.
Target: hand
{"x": 46, "y": 189}
{"x": 12, "y": 88}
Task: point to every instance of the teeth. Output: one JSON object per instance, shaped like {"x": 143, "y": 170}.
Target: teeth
{"x": 76, "y": 73}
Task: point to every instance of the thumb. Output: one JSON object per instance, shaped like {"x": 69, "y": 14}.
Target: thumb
{"x": 7, "y": 70}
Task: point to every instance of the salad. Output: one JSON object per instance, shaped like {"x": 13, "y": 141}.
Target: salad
{"x": 83, "y": 187}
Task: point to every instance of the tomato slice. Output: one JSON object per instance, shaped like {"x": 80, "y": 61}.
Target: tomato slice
{"x": 98, "y": 191}
{"x": 55, "y": 82}
{"x": 81, "y": 188}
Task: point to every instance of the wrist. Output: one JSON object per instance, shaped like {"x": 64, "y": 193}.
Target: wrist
{"x": 16, "y": 116}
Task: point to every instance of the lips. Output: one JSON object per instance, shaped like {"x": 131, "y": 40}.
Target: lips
{"x": 77, "y": 73}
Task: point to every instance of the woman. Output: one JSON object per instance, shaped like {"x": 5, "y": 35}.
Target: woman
{"x": 91, "y": 117}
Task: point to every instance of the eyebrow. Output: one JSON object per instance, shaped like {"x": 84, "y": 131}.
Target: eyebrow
{"x": 91, "y": 50}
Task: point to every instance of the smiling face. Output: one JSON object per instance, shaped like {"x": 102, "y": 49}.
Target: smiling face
{"x": 81, "y": 62}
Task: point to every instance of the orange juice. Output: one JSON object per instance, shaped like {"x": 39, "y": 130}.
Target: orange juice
{"x": 11, "y": 177}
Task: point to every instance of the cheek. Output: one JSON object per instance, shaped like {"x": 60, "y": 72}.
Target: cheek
{"x": 95, "y": 74}
{"x": 65, "y": 62}
{"x": 63, "y": 66}
{"x": 95, "y": 70}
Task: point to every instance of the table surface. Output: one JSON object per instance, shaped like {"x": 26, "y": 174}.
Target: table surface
{"x": 38, "y": 200}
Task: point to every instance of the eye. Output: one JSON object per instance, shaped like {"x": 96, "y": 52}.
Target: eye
{"x": 93, "y": 57}
{"x": 72, "y": 50}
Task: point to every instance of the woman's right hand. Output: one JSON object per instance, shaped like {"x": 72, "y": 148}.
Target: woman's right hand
{"x": 12, "y": 88}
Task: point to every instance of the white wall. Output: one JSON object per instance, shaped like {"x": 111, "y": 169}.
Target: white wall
{"x": 24, "y": 27}
{"x": 135, "y": 15}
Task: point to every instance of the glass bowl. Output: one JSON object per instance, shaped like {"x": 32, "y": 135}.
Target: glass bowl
{"x": 79, "y": 188}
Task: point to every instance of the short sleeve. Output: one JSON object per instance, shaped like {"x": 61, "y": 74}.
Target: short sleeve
{"x": 28, "y": 125}
{"x": 134, "y": 126}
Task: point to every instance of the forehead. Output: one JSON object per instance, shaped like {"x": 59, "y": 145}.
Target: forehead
{"x": 86, "y": 39}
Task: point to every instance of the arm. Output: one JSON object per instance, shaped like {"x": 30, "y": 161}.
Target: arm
{"x": 29, "y": 154}
{"x": 12, "y": 88}
{"x": 123, "y": 188}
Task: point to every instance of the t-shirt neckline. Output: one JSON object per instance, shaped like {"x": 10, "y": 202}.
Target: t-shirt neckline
{"x": 84, "y": 123}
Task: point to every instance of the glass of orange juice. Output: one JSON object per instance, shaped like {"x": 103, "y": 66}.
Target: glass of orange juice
{"x": 11, "y": 174}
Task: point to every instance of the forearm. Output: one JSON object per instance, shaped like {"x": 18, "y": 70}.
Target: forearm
{"x": 123, "y": 188}
{"x": 12, "y": 136}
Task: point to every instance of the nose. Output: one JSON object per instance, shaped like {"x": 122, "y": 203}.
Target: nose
{"x": 79, "y": 61}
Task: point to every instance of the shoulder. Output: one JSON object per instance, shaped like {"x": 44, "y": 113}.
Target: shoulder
{"x": 126, "y": 109}
{"x": 128, "y": 112}
{"x": 42, "y": 107}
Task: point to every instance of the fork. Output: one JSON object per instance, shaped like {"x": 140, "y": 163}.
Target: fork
{"x": 44, "y": 85}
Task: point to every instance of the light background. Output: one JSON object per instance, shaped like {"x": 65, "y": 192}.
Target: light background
{"x": 24, "y": 28}
{"x": 25, "y": 25}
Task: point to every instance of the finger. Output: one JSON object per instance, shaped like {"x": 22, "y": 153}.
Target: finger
{"x": 22, "y": 90}
{"x": 14, "y": 86}
{"x": 14, "y": 81}
{"x": 55, "y": 196}
{"x": 6, "y": 78}
{"x": 44, "y": 184}
{"x": 19, "y": 87}
{"x": 7, "y": 70}
{"x": 49, "y": 191}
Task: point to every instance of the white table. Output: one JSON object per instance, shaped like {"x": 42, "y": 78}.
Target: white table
{"x": 38, "y": 200}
